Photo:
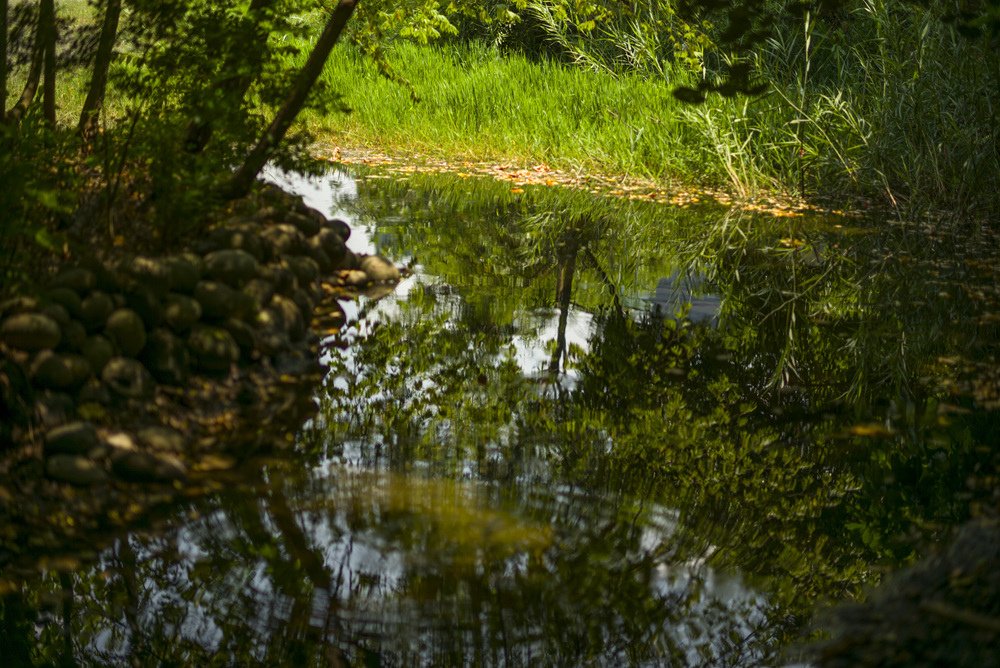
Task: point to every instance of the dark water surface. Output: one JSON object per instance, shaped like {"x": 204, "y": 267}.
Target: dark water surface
{"x": 584, "y": 431}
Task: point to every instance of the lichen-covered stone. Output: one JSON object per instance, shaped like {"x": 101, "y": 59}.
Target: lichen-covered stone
{"x": 180, "y": 312}
{"x": 75, "y": 470}
{"x": 213, "y": 348}
{"x": 232, "y": 267}
{"x": 75, "y": 438}
{"x": 167, "y": 357}
{"x": 128, "y": 378}
{"x": 127, "y": 331}
{"x": 30, "y": 331}
{"x": 95, "y": 309}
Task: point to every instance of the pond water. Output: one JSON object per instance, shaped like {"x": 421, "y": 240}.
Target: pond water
{"x": 584, "y": 430}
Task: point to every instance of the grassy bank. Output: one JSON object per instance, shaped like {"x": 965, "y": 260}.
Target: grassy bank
{"x": 899, "y": 110}
{"x": 475, "y": 103}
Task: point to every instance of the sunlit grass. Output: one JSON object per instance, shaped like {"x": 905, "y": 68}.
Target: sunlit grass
{"x": 474, "y": 103}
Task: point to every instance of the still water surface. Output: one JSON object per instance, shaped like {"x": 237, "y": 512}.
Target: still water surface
{"x": 583, "y": 431}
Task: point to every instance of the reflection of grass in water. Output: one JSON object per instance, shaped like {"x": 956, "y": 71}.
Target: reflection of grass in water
{"x": 445, "y": 516}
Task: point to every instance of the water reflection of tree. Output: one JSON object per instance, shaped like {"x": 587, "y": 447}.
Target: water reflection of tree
{"x": 799, "y": 434}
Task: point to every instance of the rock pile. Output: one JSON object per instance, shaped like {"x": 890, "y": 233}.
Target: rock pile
{"x": 227, "y": 321}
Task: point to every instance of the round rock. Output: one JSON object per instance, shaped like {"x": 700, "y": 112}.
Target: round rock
{"x": 180, "y": 312}
{"x": 77, "y": 279}
{"x": 217, "y": 300}
{"x": 183, "y": 273}
{"x": 30, "y": 331}
{"x": 167, "y": 358}
{"x": 213, "y": 348}
{"x": 138, "y": 466}
{"x": 128, "y": 378}
{"x": 66, "y": 298}
{"x": 126, "y": 330}
{"x": 58, "y": 371}
{"x": 75, "y": 438}
{"x": 342, "y": 229}
{"x": 379, "y": 269}
{"x": 153, "y": 273}
{"x": 98, "y": 350}
{"x": 233, "y": 267}
{"x": 75, "y": 470}
{"x": 95, "y": 309}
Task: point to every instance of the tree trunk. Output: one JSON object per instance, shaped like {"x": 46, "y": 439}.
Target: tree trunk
{"x": 18, "y": 111}
{"x": 199, "y": 133}
{"x": 3, "y": 60}
{"x": 47, "y": 31}
{"x": 240, "y": 183}
{"x": 99, "y": 78}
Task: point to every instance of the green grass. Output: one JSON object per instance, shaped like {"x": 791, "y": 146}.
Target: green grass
{"x": 476, "y": 104}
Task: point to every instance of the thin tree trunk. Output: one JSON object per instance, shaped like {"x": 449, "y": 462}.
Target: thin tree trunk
{"x": 564, "y": 296}
{"x": 47, "y": 30}
{"x": 18, "y": 111}
{"x": 243, "y": 179}
{"x": 3, "y": 60}
{"x": 99, "y": 78}
{"x": 199, "y": 133}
